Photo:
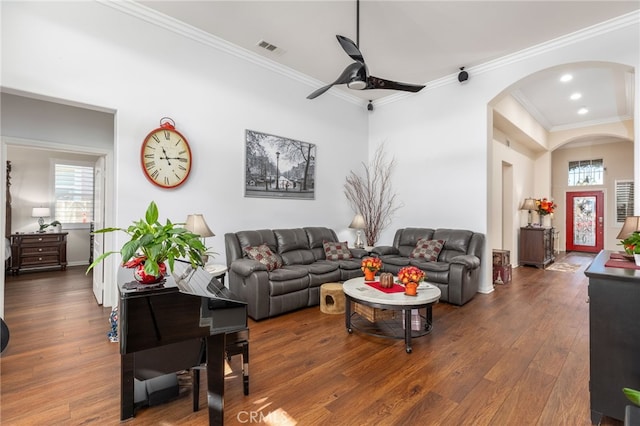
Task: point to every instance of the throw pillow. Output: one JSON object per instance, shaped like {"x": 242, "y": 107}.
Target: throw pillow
{"x": 336, "y": 251}
{"x": 428, "y": 249}
{"x": 264, "y": 255}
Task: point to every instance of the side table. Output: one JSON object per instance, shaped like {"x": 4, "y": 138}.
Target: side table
{"x": 217, "y": 271}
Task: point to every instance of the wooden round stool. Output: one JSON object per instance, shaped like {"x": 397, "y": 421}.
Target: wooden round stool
{"x": 332, "y": 299}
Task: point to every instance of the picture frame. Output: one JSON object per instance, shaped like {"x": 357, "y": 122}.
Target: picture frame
{"x": 278, "y": 167}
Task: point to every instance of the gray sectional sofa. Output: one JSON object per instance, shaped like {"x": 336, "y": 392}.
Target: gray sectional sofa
{"x": 454, "y": 264}
{"x": 288, "y": 275}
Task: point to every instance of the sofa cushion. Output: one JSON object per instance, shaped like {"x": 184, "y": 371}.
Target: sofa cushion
{"x": 427, "y": 249}
{"x": 394, "y": 260}
{"x": 264, "y": 255}
{"x": 336, "y": 251}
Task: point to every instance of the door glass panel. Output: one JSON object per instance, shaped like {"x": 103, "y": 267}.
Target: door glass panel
{"x": 584, "y": 221}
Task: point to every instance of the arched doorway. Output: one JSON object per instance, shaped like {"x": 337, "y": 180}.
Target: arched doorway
{"x": 537, "y": 148}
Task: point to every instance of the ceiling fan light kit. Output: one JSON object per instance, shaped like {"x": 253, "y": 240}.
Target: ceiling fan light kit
{"x": 356, "y": 75}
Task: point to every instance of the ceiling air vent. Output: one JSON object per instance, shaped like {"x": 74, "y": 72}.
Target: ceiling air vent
{"x": 270, "y": 47}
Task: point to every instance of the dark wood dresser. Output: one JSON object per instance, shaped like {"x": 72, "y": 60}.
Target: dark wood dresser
{"x": 614, "y": 336}
{"x": 536, "y": 246}
{"x": 38, "y": 250}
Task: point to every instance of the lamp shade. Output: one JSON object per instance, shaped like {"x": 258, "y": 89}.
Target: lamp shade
{"x": 40, "y": 212}
{"x": 196, "y": 224}
{"x": 358, "y": 222}
{"x": 529, "y": 204}
{"x": 631, "y": 225}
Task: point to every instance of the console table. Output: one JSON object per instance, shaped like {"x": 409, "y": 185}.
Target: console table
{"x": 536, "y": 246}
{"x": 614, "y": 336}
{"x": 38, "y": 250}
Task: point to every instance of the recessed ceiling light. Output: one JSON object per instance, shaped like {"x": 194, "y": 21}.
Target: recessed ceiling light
{"x": 576, "y": 96}
{"x": 583, "y": 111}
{"x": 566, "y": 77}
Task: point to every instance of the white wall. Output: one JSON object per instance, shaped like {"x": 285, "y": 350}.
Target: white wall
{"x": 442, "y": 135}
{"x": 89, "y": 53}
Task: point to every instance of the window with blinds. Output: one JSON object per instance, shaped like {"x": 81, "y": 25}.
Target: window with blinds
{"x": 73, "y": 193}
{"x": 624, "y": 200}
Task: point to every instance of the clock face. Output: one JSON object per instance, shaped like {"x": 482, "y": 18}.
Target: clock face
{"x": 166, "y": 158}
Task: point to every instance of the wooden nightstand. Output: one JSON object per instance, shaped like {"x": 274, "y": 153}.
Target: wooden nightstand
{"x": 38, "y": 251}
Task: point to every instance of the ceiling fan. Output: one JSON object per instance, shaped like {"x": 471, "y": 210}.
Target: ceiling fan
{"x": 356, "y": 75}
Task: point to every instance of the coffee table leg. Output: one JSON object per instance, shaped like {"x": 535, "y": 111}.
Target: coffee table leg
{"x": 407, "y": 330}
{"x": 347, "y": 314}
{"x": 428, "y": 324}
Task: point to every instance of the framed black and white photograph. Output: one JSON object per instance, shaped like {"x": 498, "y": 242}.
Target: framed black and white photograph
{"x": 278, "y": 167}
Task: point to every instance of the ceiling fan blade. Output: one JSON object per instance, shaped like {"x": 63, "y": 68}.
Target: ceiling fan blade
{"x": 381, "y": 83}
{"x": 351, "y": 73}
{"x": 320, "y": 91}
{"x": 351, "y": 48}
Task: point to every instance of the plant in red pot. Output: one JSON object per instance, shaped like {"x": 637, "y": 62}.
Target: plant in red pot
{"x": 152, "y": 244}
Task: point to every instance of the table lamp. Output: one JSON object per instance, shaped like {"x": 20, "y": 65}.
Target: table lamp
{"x": 196, "y": 224}
{"x": 358, "y": 223}
{"x": 529, "y": 204}
{"x": 41, "y": 213}
{"x": 631, "y": 225}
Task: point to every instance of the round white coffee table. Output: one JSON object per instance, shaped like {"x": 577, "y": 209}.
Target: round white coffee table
{"x": 356, "y": 290}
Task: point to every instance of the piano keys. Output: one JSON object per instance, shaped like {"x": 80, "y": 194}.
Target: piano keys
{"x": 162, "y": 327}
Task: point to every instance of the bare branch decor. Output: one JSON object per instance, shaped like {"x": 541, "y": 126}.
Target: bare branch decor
{"x": 372, "y": 195}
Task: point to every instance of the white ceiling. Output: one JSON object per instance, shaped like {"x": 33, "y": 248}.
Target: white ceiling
{"x": 423, "y": 41}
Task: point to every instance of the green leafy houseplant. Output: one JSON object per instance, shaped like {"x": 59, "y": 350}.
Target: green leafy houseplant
{"x": 154, "y": 243}
{"x": 631, "y": 244}
{"x": 632, "y": 395}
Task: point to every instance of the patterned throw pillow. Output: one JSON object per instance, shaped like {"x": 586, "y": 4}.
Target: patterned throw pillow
{"x": 336, "y": 251}
{"x": 264, "y": 255}
{"x": 428, "y": 249}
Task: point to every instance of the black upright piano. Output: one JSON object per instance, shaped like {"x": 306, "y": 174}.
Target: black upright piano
{"x": 172, "y": 326}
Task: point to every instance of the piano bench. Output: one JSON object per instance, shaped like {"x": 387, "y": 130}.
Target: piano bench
{"x": 233, "y": 347}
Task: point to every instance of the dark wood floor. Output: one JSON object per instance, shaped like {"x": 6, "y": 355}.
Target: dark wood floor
{"x": 517, "y": 356}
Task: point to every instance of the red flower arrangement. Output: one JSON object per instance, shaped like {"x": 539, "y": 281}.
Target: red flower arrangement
{"x": 545, "y": 206}
{"x": 371, "y": 263}
{"x": 410, "y": 274}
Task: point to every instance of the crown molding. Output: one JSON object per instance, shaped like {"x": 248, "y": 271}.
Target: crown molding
{"x": 154, "y": 17}
{"x": 151, "y": 16}
{"x": 590, "y": 123}
{"x": 614, "y": 24}
{"x": 587, "y": 33}
{"x": 531, "y": 109}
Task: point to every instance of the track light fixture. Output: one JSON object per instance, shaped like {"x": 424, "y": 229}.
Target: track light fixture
{"x": 463, "y": 75}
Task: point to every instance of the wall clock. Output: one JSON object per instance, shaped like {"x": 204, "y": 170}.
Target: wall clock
{"x": 166, "y": 156}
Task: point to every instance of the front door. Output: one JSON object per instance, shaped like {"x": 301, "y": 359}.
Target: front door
{"x": 585, "y": 221}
